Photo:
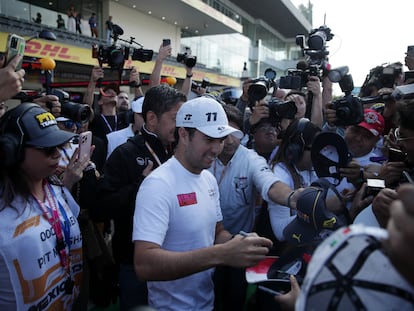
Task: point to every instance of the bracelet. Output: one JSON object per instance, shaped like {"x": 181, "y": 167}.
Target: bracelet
{"x": 189, "y": 75}
{"x": 135, "y": 84}
{"x": 289, "y": 197}
{"x": 361, "y": 178}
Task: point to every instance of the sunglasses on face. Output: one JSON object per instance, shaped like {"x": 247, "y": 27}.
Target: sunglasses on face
{"x": 69, "y": 124}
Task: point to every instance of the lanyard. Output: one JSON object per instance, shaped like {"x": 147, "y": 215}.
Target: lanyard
{"x": 108, "y": 125}
{"x": 153, "y": 153}
{"x": 52, "y": 216}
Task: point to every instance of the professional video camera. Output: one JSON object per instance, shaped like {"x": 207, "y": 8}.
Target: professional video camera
{"x": 381, "y": 77}
{"x": 261, "y": 85}
{"x": 315, "y": 62}
{"x": 115, "y": 55}
{"x": 204, "y": 84}
{"x": 297, "y": 78}
{"x": 74, "y": 111}
{"x": 279, "y": 110}
{"x": 315, "y": 50}
{"x": 186, "y": 58}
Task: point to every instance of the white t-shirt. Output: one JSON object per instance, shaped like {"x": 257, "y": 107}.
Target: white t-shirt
{"x": 117, "y": 138}
{"x": 246, "y": 174}
{"x": 31, "y": 274}
{"x": 280, "y": 215}
{"x": 178, "y": 210}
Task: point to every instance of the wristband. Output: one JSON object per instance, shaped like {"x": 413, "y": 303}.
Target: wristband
{"x": 289, "y": 197}
{"x": 189, "y": 75}
{"x": 135, "y": 84}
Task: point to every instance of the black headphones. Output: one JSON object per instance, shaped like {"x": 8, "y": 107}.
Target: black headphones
{"x": 295, "y": 142}
{"x": 12, "y": 135}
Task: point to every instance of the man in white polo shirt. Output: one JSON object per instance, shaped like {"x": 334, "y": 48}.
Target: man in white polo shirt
{"x": 119, "y": 137}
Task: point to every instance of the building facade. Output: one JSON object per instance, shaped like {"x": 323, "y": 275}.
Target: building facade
{"x": 222, "y": 34}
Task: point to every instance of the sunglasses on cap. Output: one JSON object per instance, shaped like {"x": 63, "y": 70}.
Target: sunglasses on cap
{"x": 49, "y": 151}
{"x": 102, "y": 92}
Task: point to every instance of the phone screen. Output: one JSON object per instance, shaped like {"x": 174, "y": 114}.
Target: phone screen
{"x": 15, "y": 46}
{"x": 410, "y": 50}
{"x": 166, "y": 42}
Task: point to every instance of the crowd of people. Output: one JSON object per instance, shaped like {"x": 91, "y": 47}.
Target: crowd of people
{"x": 178, "y": 196}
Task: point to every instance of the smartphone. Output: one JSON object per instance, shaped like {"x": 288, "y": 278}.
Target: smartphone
{"x": 408, "y": 75}
{"x": 410, "y": 50}
{"x": 85, "y": 142}
{"x": 166, "y": 42}
{"x": 15, "y": 46}
{"x": 374, "y": 186}
{"x": 396, "y": 155}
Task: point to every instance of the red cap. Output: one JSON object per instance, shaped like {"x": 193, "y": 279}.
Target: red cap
{"x": 373, "y": 122}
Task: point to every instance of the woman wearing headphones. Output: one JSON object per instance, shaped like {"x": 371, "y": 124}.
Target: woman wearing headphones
{"x": 40, "y": 240}
{"x": 292, "y": 164}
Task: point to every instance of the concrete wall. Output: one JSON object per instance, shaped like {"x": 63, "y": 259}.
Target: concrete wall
{"x": 146, "y": 30}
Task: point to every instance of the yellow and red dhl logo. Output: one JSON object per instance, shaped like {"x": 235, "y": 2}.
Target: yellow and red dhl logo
{"x": 46, "y": 119}
{"x": 51, "y": 50}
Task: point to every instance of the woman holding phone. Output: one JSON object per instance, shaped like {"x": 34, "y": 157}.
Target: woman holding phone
{"x": 41, "y": 243}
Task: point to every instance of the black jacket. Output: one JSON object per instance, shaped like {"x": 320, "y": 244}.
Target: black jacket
{"x": 119, "y": 186}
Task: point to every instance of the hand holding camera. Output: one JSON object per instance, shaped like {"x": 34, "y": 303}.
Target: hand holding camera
{"x": 50, "y": 103}
{"x": 186, "y": 58}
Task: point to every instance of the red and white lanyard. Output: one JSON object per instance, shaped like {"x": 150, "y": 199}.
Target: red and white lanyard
{"x": 52, "y": 216}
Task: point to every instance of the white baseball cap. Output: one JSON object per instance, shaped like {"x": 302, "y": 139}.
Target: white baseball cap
{"x": 206, "y": 115}
{"x": 136, "y": 105}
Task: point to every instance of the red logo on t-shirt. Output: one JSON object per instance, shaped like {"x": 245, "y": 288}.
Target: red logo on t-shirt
{"x": 187, "y": 198}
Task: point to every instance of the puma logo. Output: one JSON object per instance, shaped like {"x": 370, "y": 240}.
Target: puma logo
{"x": 297, "y": 237}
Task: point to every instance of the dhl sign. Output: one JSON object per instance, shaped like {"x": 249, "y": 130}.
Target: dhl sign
{"x": 69, "y": 53}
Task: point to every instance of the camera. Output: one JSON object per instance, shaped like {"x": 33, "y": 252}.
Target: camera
{"x": 298, "y": 78}
{"x": 112, "y": 55}
{"x": 142, "y": 55}
{"x": 204, "y": 84}
{"x": 74, "y": 111}
{"x": 315, "y": 50}
{"x": 115, "y": 55}
{"x": 279, "y": 110}
{"x": 261, "y": 85}
{"x": 186, "y": 58}
{"x": 380, "y": 77}
{"x": 349, "y": 110}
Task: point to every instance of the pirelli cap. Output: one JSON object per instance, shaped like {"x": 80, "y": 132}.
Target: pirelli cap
{"x": 206, "y": 115}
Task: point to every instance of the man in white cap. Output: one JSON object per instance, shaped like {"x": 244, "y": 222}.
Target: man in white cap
{"x": 121, "y": 136}
{"x": 178, "y": 231}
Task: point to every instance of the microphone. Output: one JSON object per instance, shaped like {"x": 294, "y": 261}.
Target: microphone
{"x": 41, "y": 63}
{"x": 302, "y": 65}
